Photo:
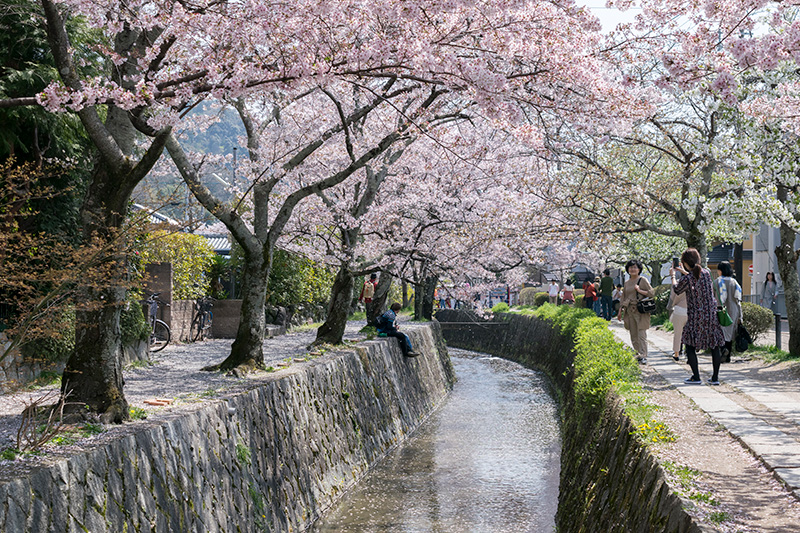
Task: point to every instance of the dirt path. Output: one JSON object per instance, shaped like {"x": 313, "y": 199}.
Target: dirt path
{"x": 726, "y": 486}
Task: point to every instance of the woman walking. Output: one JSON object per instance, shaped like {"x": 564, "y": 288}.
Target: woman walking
{"x": 702, "y": 328}
{"x": 770, "y": 292}
{"x": 568, "y": 297}
{"x": 635, "y": 322}
{"x": 729, "y": 295}
{"x": 678, "y": 315}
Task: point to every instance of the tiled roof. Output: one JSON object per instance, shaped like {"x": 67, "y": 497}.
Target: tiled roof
{"x": 219, "y": 243}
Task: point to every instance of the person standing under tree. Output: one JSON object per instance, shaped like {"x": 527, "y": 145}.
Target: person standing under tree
{"x": 729, "y": 295}
{"x": 702, "y": 328}
{"x": 553, "y": 292}
{"x": 678, "y": 316}
{"x": 635, "y": 322}
{"x": 770, "y": 293}
{"x": 368, "y": 293}
{"x": 606, "y": 294}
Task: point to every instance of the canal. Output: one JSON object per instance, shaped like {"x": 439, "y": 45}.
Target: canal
{"x": 486, "y": 461}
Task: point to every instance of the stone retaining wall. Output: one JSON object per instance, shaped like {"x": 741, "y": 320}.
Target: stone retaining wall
{"x": 609, "y": 481}
{"x": 17, "y": 370}
{"x": 269, "y": 459}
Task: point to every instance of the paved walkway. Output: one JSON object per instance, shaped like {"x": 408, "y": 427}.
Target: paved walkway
{"x": 764, "y": 418}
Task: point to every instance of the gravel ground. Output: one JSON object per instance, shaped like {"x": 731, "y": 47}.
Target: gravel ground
{"x": 175, "y": 374}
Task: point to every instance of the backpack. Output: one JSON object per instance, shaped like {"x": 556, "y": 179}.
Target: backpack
{"x": 369, "y": 289}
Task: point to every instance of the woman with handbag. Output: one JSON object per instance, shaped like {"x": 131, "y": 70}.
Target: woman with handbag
{"x": 702, "y": 328}
{"x": 635, "y": 317}
{"x": 729, "y": 298}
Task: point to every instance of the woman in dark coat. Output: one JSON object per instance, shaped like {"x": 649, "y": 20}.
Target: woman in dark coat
{"x": 702, "y": 328}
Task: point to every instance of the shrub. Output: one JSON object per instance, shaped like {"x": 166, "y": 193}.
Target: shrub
{"x": 55, "y": 343}
{"x": 132, "y": 323}
{"x": 758, "y": 320}
{"x": 579, "y": 302}
{"x": 191, "y": 257}
{"x": 527, "y": 296}
{"x": 500, "y": 307}
{"x": 661, "y": 298}
{"x": 541, "y": 298}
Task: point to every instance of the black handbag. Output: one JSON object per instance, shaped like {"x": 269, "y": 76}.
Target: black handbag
{"x": 645, "y": 305}
{"x": 743, "y": 339}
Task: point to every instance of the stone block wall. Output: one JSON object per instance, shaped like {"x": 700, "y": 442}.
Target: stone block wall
{"x": 272, "y": 458}
{"x": 609, "y": 481}
{"x": 181, "y": 314}
{"x": 16, "y": 370}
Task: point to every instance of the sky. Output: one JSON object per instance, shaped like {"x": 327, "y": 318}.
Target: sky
{"x": 609, "y": 18}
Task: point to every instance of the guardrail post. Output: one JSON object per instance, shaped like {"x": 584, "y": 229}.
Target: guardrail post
{"x": 777, "y": 331}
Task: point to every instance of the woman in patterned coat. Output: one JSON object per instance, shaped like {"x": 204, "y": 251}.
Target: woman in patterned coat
{"x": 702, "y": 328}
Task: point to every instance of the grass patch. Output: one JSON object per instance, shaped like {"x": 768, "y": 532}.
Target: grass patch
{"x": 703, "y": 497}
{"x": 719, "y": 516}
{"x": 137, "y": 413}
{"x": 9, "y": 454}
{"x": 370, "y": 331}
{"x": 71, "y": 436}
{"x": 243, "y": 454}
{"x": 358, "y": 315}
{"x": 305, "y": 327}
{"x": 141, "y": 363}
{"x": 44, "y": 379}
{"x": 684, "y": 475}
{"x": 770, "y": 354}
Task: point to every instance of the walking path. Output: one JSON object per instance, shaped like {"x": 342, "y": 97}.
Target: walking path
{"x": 757, "y": 403}
{"x": 175, "y": 373}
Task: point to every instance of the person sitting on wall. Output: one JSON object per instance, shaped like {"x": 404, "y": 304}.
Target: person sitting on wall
{"x": 387, "y": 324}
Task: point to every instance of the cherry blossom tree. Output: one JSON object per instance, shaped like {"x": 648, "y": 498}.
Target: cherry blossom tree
{"x": 160, "y": 59}
{"x": 466, "y": 66}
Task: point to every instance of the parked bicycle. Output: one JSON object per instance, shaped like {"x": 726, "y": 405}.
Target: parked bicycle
{"x": 203, "y": 317}
{"x": 159, "y": 330}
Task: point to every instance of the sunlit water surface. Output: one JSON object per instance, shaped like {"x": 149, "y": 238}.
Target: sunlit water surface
{"x": 487, "y": 461}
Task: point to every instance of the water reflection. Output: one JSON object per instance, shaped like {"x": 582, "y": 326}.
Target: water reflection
{"x": 487, "y": 461}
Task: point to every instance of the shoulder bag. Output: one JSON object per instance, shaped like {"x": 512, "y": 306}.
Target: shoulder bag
{"x": 724, "y": 318}
{"x": 646, "y": 304}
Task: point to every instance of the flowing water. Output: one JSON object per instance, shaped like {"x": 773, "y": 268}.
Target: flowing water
{"x": 487, "y": 461}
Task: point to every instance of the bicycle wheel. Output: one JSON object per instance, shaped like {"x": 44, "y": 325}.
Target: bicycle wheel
{"x": 160, "y": 336}
{"x": 196, "y": 331}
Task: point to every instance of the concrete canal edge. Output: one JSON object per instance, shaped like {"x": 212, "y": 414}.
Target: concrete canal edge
{"x": 272, "y": 458}
{"x": 609, "y": 481}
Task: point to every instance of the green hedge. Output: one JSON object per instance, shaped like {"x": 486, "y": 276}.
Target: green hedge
{"x": 602, "y": 363}
{"x": 500, "y": 307}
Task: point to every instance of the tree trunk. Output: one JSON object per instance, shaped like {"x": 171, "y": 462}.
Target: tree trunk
{"x": 247, "y": 351}
{"x": 404, "y": 288}
{"x": 787, "y": 266}
{"x": 332, "y": 330}
{"x": 93, "y": 373}
{"x": 423, "y": 299}
{"x": 378, "y": 305}
{"x": 698, "y": 241}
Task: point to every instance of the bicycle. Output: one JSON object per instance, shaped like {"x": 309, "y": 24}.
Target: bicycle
{"x": 160, "y": 333}
{"x": 203, "y": 318}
